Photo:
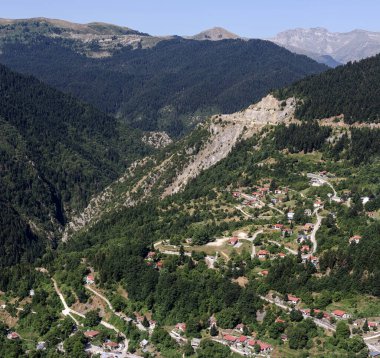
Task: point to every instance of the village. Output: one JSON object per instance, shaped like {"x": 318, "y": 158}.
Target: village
{"x": 284, "y": 223}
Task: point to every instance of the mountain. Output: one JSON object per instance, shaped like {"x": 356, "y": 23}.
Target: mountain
{"x": 157, "y": 240}
{"x": 215, "y": 34}
{"x": 342, "y": 47}
{"x": 56, "y": 152}
{"x": 151, "y": 83}
{"x": 351, "y": 91}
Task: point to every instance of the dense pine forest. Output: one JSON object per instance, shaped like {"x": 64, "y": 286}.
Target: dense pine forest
{"x": 55, "y": 153}
{"x": 171, "y": 86}
{"x": 352, "y": 90}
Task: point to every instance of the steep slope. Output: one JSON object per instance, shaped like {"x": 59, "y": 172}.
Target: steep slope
{"x": 171, "y": 86}
{"x": 55, "y": 153}
{"x": 352, "y": 91}
{"x": 163, "y": 175}
{"x": 169, "y": 173}
{"x": 342, "y": 47}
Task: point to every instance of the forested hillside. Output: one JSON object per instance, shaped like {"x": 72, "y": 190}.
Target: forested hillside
{"x": 352, "y": 90}
{"x": 170, "y": 86}
{"x": 55, "y": 153}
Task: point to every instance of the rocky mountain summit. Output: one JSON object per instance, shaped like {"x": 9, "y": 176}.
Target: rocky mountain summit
{"x": 342, "y": 47}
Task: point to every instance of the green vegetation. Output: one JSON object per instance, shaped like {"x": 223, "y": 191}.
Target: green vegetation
{"x": 351, "y": 90}
{"x": 55, "y": 153}
{"x": 171, "y": 86}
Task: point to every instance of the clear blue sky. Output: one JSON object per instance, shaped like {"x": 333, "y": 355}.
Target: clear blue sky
{"x": 251, "y": 18}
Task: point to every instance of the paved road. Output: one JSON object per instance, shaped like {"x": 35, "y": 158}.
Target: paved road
{"x": 323, "y": 180}
{"x": 317, "y": 321}
{"x": 67, "y": 311}
{"x": 252, "y": 239}
{"x": 119, "y": 314}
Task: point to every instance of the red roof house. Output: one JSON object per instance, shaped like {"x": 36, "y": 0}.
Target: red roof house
{"x": 262, "y": 254}
{"x": 340, "y": 314}
{"x": 13, "y": 336}
{"x": 181, "y": 327}
{"x": 356, "y": 239}
{"x": 293, "y": 299}
{"x": 233, "y": 241}
{"x": 91, "y": 334}
{"x": 230, "y": 338}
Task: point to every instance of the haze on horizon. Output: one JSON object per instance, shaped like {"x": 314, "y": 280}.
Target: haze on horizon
{"x": 248, "y": 18}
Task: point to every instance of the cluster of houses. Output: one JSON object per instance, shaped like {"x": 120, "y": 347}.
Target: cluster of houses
{"x": 244, "y": 343}
{"x": 255, "y": 199}
{"x": 152, "y": 260}
{"x": 107, "y": 345}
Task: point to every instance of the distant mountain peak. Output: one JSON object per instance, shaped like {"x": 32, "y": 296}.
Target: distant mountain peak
{"x": 341, "y": 46}
{"x": 215, "y": 34}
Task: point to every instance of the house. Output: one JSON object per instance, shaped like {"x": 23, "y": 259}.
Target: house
{"x": 91, "y": 334}
{"x": 13, "y": 336}
{"x": 263, "y": 273}
{"x": 277, "y": 227}
{"x": 365, "y": 199}
{"x": 301, "y": 238}
{"x": 308, "y": 227}
{"x": 279, "y": 320}
{"x": 293, "y": 299}
{"x": 242, "y": 339}
{"x": 305, "y": 248}
{"x": 151, "y": 255}
{"x": 264, "y": 347}
{"x": 180, "y": 327}
{"x": 372, "y": 325}
{"x": 307, "y": 212}
{"x": 284, "y": 337}
{"x": 152, "y": 324}
{"x": 31, "y": 293}
{"x": 111, "y": 345}
{"x": 233, "y": 241}
{"x": 318, "y": 204}
{"x": 236, "y": 194}
{"x": 290, "y": 215}
{"x": 90, "y": 279}
{"x": 286, "y": 232}
{"x": 355, "y": 239}
{"x": 144, "y": 343}
{"x": 313, "y": 259}
{"x": 41, "y": 346}
{"x": 240, "y": 327}
{"x": 326, "y": 316}
{"x": 195, "y": 343}
{"x": 159, "y": 265}
{"x": 262, "y": 254}
{"x": 281, "y": 255}
{"x": 278, "y": 191}
{"x": 230, "y": 339}
{"x": 341, "y": 314}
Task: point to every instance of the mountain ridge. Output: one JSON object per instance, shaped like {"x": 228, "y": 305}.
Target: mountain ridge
{"x": 341, "y": 46}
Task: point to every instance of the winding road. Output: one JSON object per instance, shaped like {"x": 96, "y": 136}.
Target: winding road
{"x": 314, "y": 232}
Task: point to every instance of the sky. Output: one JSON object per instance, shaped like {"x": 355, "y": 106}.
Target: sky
{"x": 249, "y": 18}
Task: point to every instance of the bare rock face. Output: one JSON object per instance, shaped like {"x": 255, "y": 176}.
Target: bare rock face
{"x": 342, "y": 47}
{"x": 157, "y": 139}
{"x": 171, "y": 174}
{"x": 227, "y": 130}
